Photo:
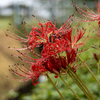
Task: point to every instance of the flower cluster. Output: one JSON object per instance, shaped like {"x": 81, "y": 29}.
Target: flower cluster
{"x": 59, "y": 46}
{"x": 59, "y": 49}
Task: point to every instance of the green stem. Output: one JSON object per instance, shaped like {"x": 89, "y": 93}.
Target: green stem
{"x": 79, "y": 84}
{"x": 88, "y": 69}
{"x": 55, "y": 86}
{"x": 98, "y": 64}
{"x": 70, "y": 88}
{"x": 85, "y": 87}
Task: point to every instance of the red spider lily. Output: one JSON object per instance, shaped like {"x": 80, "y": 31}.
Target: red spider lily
{"x": 87, "y": 13}
{"x": 73, "y": 40}
{"x": 76, "y": 38}
{"x": 55, "y": 65}
{"x": 71, "y": 55}
{"x": 55, "y": 42}
{"x": 53, "y": 49}
{"x": 39, "y": 36}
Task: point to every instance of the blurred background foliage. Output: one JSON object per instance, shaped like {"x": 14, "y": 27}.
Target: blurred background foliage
{"x": 44, "y": 10}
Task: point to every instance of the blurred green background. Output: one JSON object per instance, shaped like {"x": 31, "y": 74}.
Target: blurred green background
{"x": 13, "y": 11}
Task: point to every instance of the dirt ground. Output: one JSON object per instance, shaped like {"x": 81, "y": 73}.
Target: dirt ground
{"x": 6, "y": 84}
